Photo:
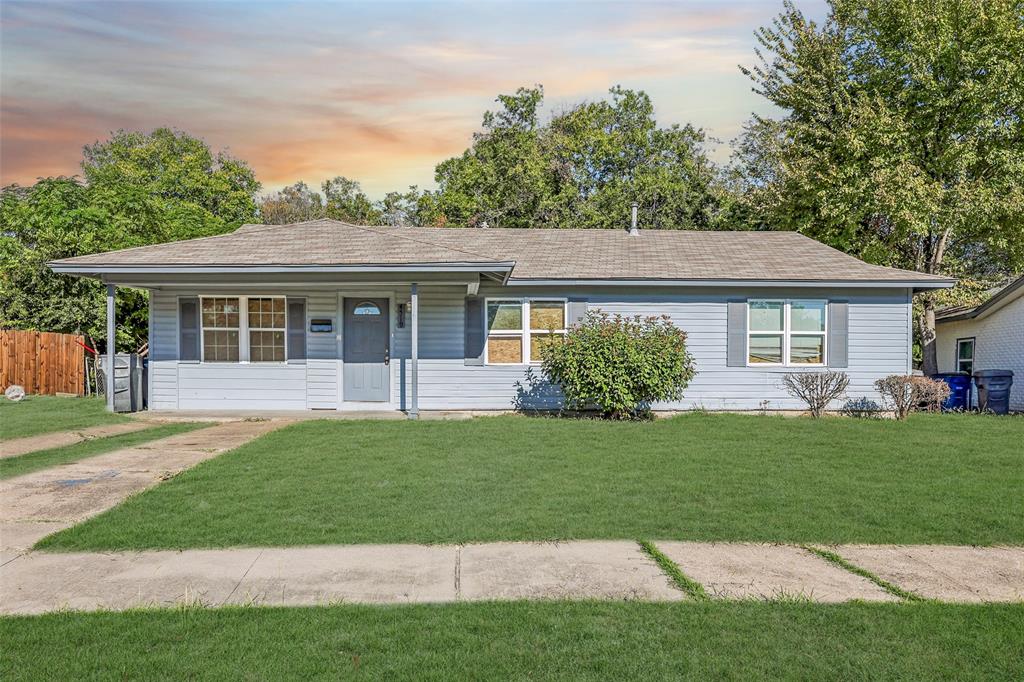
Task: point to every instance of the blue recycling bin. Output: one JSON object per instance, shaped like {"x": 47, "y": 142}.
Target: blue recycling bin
{"x": 959, "y": 390}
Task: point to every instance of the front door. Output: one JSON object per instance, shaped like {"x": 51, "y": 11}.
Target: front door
{"x": 366, "y": 341}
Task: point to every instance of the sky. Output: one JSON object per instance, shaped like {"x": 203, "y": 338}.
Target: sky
{"x": 377, "y": 91}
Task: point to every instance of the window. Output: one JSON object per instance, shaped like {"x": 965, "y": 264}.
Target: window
{"x": 244, "y": 328}
{"x": 781, "y": 332}
{"x": 519, "y": 328}
{"x": 965, "y": 355}
{"x": 366, "y": 308}
{"x": 220, "y": 329}
{"x": 266, "y": 329}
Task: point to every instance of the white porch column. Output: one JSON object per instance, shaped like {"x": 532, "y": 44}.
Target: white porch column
{"x": 414, "y": 408}
{"x": 111, "y": 351}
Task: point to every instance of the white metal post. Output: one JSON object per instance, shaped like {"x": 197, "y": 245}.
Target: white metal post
{"x": 111, "y": 351}
{"x": 414, "y": 409}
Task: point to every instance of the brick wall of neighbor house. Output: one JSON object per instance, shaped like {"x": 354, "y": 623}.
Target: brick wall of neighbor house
{"x": 879, "y": 344}
{"x": 999, "y": 344}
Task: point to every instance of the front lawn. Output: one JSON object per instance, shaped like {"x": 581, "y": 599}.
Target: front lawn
{"x": 522, "y": 640}
{"x": 41, "y": 459}
{"x": 954, "y": 479}
{"x": 38, "y": 414}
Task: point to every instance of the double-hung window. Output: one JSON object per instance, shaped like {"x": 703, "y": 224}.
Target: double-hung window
{"x": 517, "y": 328}
{"x": 965, "y": 355}
{"x": 786, "y": 332}
{"x": 243, "y": 328}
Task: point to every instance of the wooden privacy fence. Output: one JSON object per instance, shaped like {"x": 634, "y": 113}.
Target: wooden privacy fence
{"x": 44, "y": 363}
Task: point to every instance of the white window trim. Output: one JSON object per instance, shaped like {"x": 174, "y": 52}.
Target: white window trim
{"x": 243, "y": 330}
{"x": 787, "y": 333}
{"x": 524, "y": 333}
{"x": 974, "y": 352}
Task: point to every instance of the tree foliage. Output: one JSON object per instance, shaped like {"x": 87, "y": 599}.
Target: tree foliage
{"x": 902, "y": 140}
{"x": 583, "y": 168}
{"x": 138, "y": 189}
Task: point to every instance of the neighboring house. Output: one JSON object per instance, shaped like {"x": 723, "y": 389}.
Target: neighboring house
{"x": 327, "y": 315}
{"x": 986, "y": 336}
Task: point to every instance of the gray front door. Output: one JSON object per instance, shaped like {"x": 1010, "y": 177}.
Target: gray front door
{"x": 366, "y": 342}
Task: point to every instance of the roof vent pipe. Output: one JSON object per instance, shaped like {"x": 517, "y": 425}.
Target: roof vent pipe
{"x": 633, "y": 229}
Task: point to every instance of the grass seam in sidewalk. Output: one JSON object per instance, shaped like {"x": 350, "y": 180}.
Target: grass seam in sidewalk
{"x": 839, "y": 561}
{"x": 682, "y": 581}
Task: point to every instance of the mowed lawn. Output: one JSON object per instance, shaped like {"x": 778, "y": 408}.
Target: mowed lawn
{"x": 520, "y": 640}
{"x": 37, "y": 414}
{"x": 956, "y": 479}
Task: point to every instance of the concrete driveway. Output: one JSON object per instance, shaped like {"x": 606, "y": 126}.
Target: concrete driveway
{"x": 42, "y": 502}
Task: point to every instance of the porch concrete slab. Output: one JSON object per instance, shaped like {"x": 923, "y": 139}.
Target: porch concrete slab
{"x": 60, "y": 439}
{"x": 38, "y": 582}
{"x": 760, "y": 571}
{"x": 947, "y": 573}
{"x": 356, "y": 573}
{"x": 72, "y": 492}
{"x": 570, "y": 570}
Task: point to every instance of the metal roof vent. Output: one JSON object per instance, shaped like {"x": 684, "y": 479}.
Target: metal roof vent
{"x": 634, "y": 231}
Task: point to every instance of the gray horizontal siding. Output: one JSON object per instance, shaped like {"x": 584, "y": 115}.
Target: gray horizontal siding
{"x": 878, "y": 345}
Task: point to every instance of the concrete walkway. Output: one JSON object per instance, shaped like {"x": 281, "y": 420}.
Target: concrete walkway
{"x": 42, "y": 502}
{"x": 60, "y": 439}
{"x": 37, "y": 582}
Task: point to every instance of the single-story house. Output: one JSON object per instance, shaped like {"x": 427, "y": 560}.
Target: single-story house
{"x": 324, "y": 315}
{"x": 986, "y": 336}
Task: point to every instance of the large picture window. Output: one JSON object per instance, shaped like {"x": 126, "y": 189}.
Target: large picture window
{"x": 518, "y": 328}
{"x": 244, "y": 328}
{"x": 786, "y": 332}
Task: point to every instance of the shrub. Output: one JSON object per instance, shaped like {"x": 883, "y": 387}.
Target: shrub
{"x": 862, "y": 408}
{"x": 620, "y": 365}
{"x": 816, "y": 389}
{"x": 905, "y": 394}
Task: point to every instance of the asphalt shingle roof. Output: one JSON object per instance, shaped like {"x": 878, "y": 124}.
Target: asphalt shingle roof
{"x": 537, "y": 253}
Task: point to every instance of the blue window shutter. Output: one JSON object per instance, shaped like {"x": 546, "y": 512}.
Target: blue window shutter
{"x": 838, "y": 334}
{"x": 736, "y": 322}
{"x": 474, "y": 327}
{"x": 188, "y": 329}
{"x": 576, "y": 311}
{"x": 296, "y": 328}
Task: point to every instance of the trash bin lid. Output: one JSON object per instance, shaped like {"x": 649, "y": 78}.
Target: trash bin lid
{"x": 994, "y": 373}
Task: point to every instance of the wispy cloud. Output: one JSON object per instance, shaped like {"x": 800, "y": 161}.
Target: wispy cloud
{"x": 377, "y": 91}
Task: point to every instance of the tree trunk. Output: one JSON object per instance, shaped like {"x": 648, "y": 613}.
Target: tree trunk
{"x": 926, "y": 326}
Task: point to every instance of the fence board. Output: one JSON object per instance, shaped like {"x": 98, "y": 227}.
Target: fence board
{"x": 43, "y": 363}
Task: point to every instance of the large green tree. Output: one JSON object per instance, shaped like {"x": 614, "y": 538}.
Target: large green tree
{"x": 138, "y": 189}
{"x": 901, "y": 139}
{"x": 582, "y": 168}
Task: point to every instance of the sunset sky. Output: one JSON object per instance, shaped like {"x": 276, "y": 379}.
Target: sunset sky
{"x": 379, "y": 92}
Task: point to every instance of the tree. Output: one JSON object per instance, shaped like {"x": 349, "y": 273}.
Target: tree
{"x": 582, "y": 169}
{"x": 139, "y": 189}
{"x": 346, "y": 201}
{"x": 902, "y": 140}
{"x": 293, "y": 204}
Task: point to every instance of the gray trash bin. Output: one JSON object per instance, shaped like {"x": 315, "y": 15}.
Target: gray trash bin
{"x": 994, "y": 389}
{"x": 127, "y": 381}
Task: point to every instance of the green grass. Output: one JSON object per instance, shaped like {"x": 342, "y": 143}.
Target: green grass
{"x": 953, "y": 479}
{"x": 38, "y": 414}
{"x": 522, "y": 640}
{"x": 842, "y": 563}
{"x": 672, "y": 570}
{"x": 33, "y": 461}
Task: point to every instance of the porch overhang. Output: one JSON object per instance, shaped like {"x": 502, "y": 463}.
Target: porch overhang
{"x": 149, "y": 276}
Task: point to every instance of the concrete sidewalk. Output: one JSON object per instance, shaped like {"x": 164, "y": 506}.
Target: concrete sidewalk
{"x": 60, "y": 439}
{"x": 37, "y": 582}
{"x": 42, "y": 502}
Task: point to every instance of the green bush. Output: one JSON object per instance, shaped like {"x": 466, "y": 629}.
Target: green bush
{"x": 619, "y": 365}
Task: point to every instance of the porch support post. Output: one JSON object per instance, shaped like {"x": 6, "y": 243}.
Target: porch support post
{"x": 111, "y": 351}
{"x": 414, "y": 302}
